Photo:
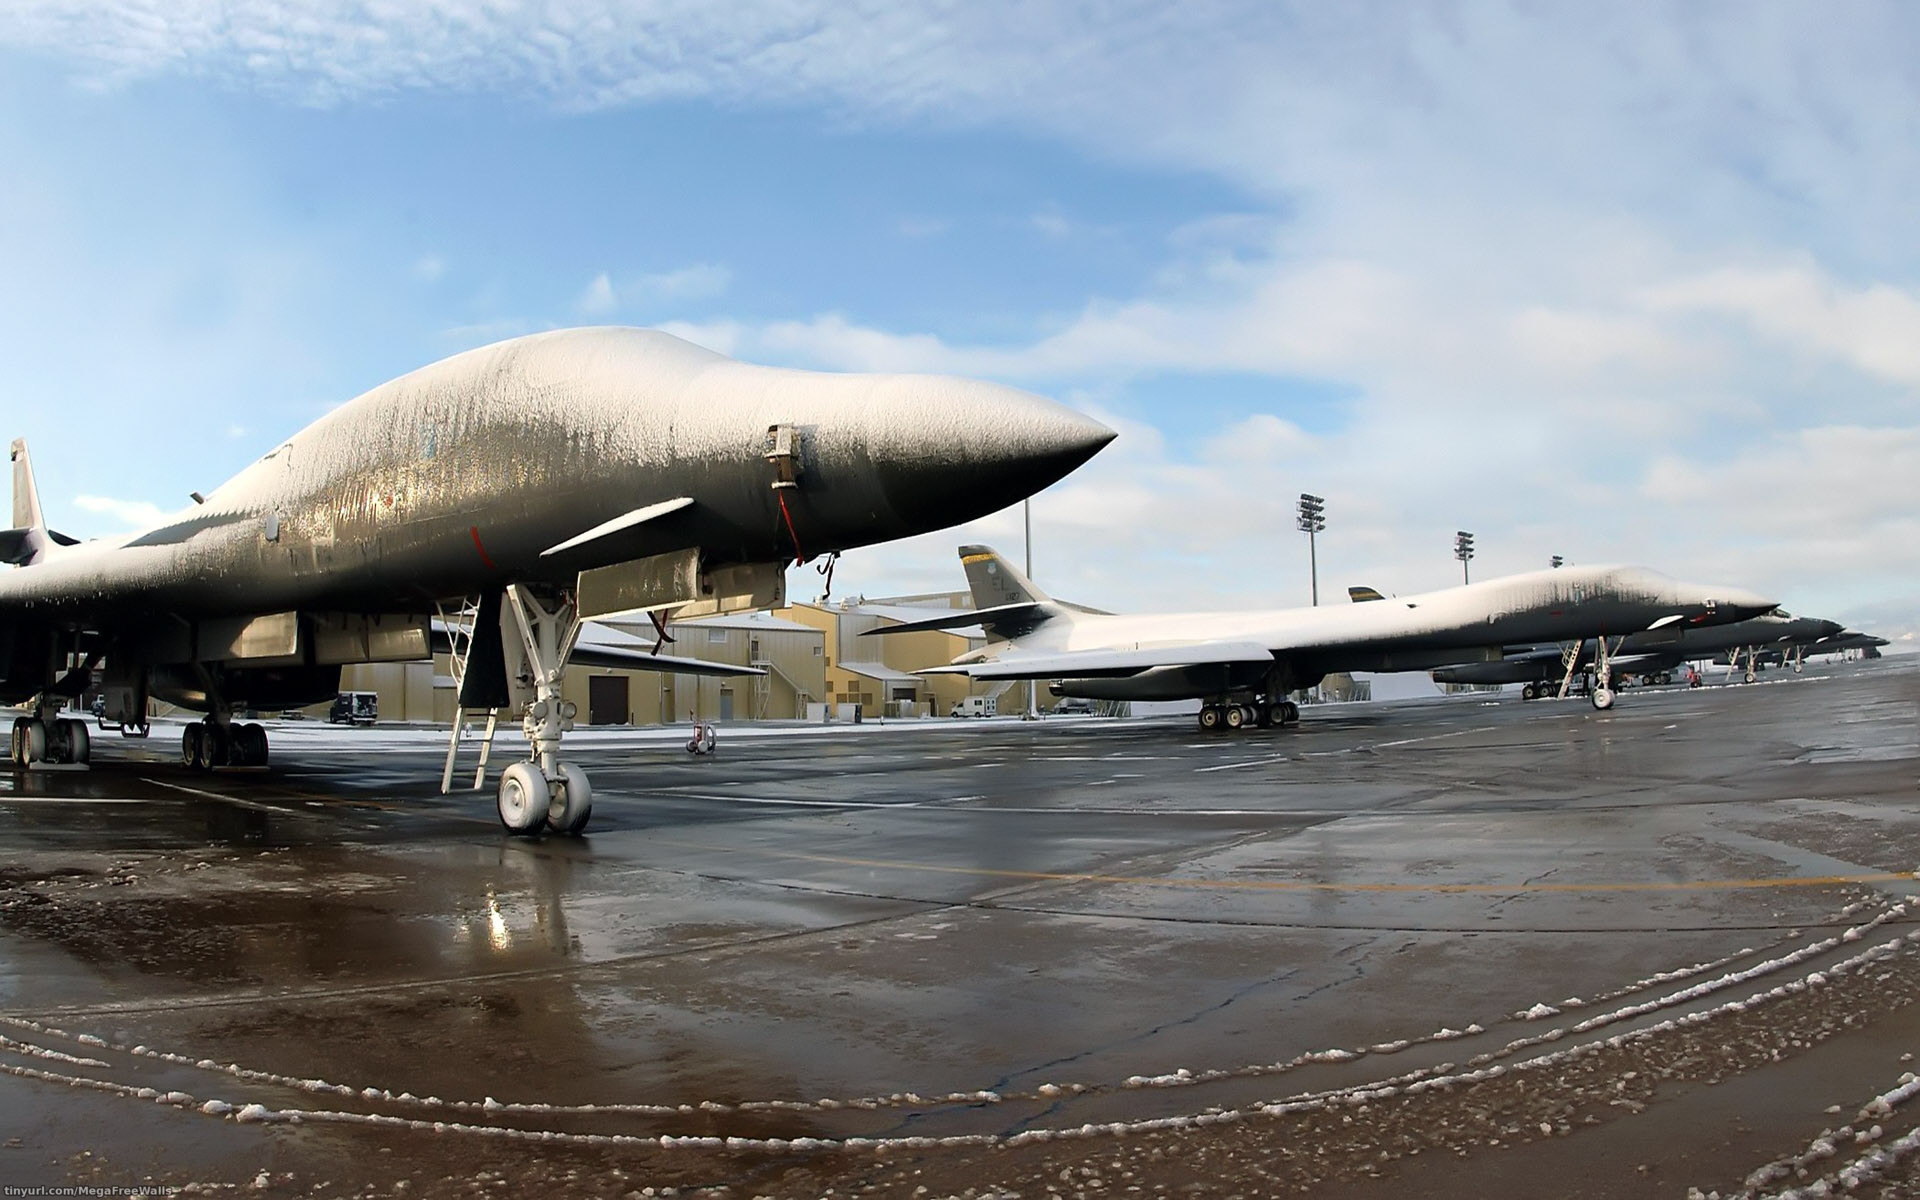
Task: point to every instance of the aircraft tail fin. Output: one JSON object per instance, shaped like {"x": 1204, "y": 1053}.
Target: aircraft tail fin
{"x": 26, "y": 497}
{"x": 29, "y": 539}
{"x": 1360, "y": 595}
{"x": 995, "y": 581}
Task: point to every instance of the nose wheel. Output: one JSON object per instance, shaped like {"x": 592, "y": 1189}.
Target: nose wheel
{"x": 543, "y": 792}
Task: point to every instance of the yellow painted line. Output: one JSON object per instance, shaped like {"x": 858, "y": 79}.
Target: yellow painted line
{"x": 1305, "y": 885}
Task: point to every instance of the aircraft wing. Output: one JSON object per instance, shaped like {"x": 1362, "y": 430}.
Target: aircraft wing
{"x": 641, "y": 660}
{"x": 960, "y": 620}
{"x": 1087, "y": 664}
{"x": 599, "y": 646}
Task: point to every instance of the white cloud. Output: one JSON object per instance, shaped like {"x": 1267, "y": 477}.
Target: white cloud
{"x": 598, "y": 299}
{"x": 1874, "y": 328}
{"x": 128, "y": 514}
{"x": 699, "y": 281}
{"x": 429, "y": 268}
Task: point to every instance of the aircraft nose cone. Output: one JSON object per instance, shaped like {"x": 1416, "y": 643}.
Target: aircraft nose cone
{"x": 1744, "y": 604}
{"x": 949, "y": 450}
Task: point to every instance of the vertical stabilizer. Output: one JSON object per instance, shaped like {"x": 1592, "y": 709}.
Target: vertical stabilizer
{"x": 26, "y": 499}
{"x": 995, "y": 581}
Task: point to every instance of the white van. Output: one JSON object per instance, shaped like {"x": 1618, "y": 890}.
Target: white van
{"x": 976, "y": 706}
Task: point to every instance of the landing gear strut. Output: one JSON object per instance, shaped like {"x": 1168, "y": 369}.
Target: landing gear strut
{"x": 544, "y": 791}
{"x": 1602, "y": 695}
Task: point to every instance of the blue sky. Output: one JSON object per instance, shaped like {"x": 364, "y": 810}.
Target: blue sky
{"x": 1614, "y": 282}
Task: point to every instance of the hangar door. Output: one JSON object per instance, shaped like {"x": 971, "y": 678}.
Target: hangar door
{"x": 607, "y": 700}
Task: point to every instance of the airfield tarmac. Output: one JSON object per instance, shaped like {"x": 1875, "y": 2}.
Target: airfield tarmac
{"x": 1445, "y": 948}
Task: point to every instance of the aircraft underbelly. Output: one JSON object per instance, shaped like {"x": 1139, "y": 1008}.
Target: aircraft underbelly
{"x": 1169, "y": 683}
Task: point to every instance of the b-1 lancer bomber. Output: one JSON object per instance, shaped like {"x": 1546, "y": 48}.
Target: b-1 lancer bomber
{"x": 531, "y": 484}
{"x": 1241, "y": 665}
{"x": 1551, "y": 669}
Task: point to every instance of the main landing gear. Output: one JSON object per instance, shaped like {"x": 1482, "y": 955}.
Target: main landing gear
{"x": 46, "y": 740}
{"x": 543, "y": 791}
{"x": 1215, "y": 717}
{"x": 219, "y": 741}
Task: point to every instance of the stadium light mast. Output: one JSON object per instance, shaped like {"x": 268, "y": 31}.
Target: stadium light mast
{"x": 1033, "y": 685}
{"x": 1463, "y": 550}
{"x": 1312, "y": 521}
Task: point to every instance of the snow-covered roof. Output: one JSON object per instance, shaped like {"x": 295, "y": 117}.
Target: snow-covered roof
{"x": 880, "y": 671}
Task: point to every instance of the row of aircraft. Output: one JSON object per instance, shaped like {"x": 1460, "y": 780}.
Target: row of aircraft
{"x": 492, "y": 504}
{"x": 1542, "y": 629}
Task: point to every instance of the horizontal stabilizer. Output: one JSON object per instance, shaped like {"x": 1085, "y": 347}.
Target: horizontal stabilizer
{"x": 960, "y": 620}
{"x": 17, "y": 545}
{"x": 1084, "y": 664}
{"x": 22, "y": 546}
{"x": 620, "y": 524}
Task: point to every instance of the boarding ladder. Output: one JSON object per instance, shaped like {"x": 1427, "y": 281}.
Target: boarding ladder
{"x": 460, "y": 634}
{"x": 1569, "y": 664}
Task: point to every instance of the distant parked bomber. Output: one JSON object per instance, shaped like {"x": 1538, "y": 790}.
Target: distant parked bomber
{"x": 1241, "y": 665}
{"x": 1546, "y": 669}
{"x": 531, "y": 484}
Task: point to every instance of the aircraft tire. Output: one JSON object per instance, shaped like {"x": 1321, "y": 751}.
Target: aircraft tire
{"x": 1211, "y": 718}
{"x": 193, "y": 743}
{"x": 249, "y": 745}
{"x": 572, "y": 804}
{"x": 524, "y": 798}
{"x": 79, "y": 742}
{"x": 1289, "y": 713}
{"x": 219, "y": 746}
{"x": 1750, "y": 677}
{"x": 1263, "y": 715}
{"x": 1234, "y": 716}
{"x": 1603, "y": 698}
{"x": 1528, "y": 691}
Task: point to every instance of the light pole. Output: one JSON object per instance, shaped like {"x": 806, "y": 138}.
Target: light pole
{"x": 1313, "y": 520}
{"x": 1463, "y": 550}
{"x": 1033, "y": 685}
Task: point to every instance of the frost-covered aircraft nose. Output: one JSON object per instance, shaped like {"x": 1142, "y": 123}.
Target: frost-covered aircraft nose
{"x": 946, "y": 450}
{"x": 1738, "y": 604}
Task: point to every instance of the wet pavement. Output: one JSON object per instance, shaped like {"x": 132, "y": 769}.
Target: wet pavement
{"x": 1453, "y": 946}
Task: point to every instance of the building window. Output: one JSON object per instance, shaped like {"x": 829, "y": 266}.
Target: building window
{"x": 819, "y": 651}
{"x": 716, "y": 637}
